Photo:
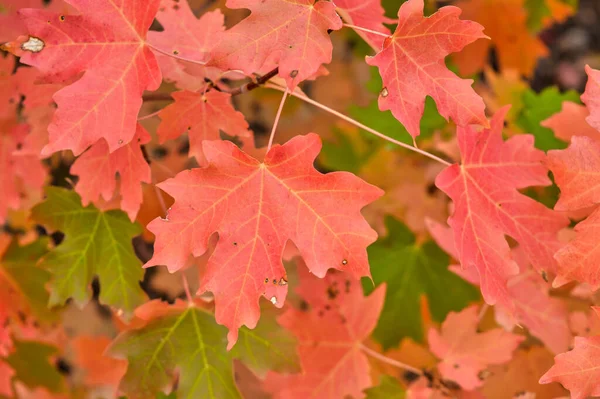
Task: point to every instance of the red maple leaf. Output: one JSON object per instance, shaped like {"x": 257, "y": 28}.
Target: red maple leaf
{"x": 488, "y": 206}
{"x": 577, "y": 173}
{"x": 531, "y": 304}
{"x": 203, "y": 116}
{"x": 186, "y": 37}
{"x": 412, "y": 67}
{"x": 464, "y": 352}
{"x": 21, "y": 174}
{"x": 330, "y": 333}
{"x": 293, "y": 34}
{"x": 97, "y": 168}
{"x": 579, "y": 369}
{"x": 255, "y": 208}
{"x": 366, "y": 14}
{"x": 591, "y": 96}
{"x": 106, "y": 42}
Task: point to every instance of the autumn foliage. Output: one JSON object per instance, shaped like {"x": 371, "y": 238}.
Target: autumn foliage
{"x": 295, "y": 199}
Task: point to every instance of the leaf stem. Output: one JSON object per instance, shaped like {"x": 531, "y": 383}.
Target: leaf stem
{"x": 186, "y": 287}
{"x": 366, "y": 30}
{"x": 142, "y": 118}
{"x": 360, "y": 125}
{"x": 390, "y": 361}
{"x": 175, "y": 55}
{"x": 285, "y": 94}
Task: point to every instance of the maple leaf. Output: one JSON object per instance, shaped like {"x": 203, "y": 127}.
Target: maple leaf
{"x": 21, "y": 175}
{"x": 539, "y": 106}
{"x": 577, "y": 173}
{"x": 97, "y": 168}
{"x": 530, "y": 304}
{"x": 366, "y": 14}
{"x": 578, "y": 260}
{"x": 578, "y": 370}
{"x": 571, "y": 121}
{"x": 99, "y": 368}
{"x": 96, "y": 243}
{"x": 464, "y": 352}
{"x": 106, "y": 42}
{"x": 388, "y": 388}
{"x": 32, "y": 365}
{"x": 22, "y": 283}
{"x": 330, "y": 335}
{"x": 188, "y": 38}
{"x": 591, "y": 96}
{"x": 488, "y": 206}
{"x": 412, "y": 67}
{"x": 522, "y": 374}
{"x": 292, "y": 34}
{"x": 516, "y": 47}
{"x": 203, "y": 116}
{"x": 256, "y": 207}
{"x": 186, "y": 338}
{"x": 412, "y": 270}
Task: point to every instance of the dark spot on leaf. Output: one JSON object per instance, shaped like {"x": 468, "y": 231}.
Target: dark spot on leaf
{"x": 176, "y": 52}
{"x": 294, "y": 73}
{"x": 332, "y": 293}
{"x": 266, "y": 280}
{"x": 235, "y": 244}
{"x": 304, "y": 306}
{"x": 62, "y": 17}
{"x": 344, "y": 262}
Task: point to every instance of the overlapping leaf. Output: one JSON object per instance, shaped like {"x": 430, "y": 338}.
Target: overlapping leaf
{"x": 106, "y": 42}
{"x": 189, "y": 38}
{"x": 256, "y": 207}
{"x": 412, "y": 67}
{"x": 530, "y": 304}
{"x": 464, "y": 352}
{"x": 22, "y": 283}
{"x": 488, "y": 206}
{"x": 97, "y": 168}
{"x": 516, "y": 47}
{"x": 571, "y": 121}
{"x": 186, "y": 338}
{"x": 96, "y": 243}
{"x": 579, "y": 369}
{"x": 203, "y": 116}
{"x": 591, "y": 97}
{"x": 410, "y": 271}
{"x": 330, "y": 333}
{"x": 293, "y": 34}
{"x": 21, "y": 175}
{"x": 367, "y": 14}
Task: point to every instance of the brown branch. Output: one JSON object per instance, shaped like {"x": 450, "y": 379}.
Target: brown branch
{"x": 211, "y": 86}
{"x": 254, "y": 84}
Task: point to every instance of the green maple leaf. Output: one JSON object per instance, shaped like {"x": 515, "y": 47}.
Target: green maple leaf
{"x": 31, "y": 363}
{"x": 539, "y": 107}
{"x": 96, "y": 244}
{"x": 411, "y": 270}
{"x": 191, "y": 342}
{"x": 19, "y": 272}
{"x": 388, "y": 388}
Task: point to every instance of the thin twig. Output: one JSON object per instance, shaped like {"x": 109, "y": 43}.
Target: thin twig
{"x": 177, "y": 57}
{"x": 390, "y": 361}
{"x": 285, "y": 94}
{"x": 360, "y": 125}
{"x": 235, "y": 92}
{"x": 254, "y": 84}
{"x": 367, "y": 30}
